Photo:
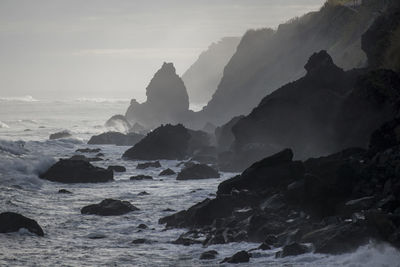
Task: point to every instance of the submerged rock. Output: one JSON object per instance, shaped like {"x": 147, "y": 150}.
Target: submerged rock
{"x": 208, "y": 255}
{"x": 88, "y": 150}
{"x": 84, "y": 158}
{"x": 153, "y": 164}
{"x": 60, "y": 135}
{"x": 115, "y": 138}
{"x": 12, "y": 222}
{"x": 140, "y": 177}
{"x": 197, "y": 171}
{"x": 76, "y": 171}
{"x": 64, "y": 191}
{"x": 109, "y": 207}
{"x": 239, "y": 257}
{"x": 117, "y": 168}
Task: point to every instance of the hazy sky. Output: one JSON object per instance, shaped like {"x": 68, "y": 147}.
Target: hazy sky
{"x": 112, "y": 48}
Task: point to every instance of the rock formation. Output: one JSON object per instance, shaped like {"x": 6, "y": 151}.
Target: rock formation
{"x": 115, "y": 138}
{"x": 167, "y": 101}
{"x": 12, "y": 222}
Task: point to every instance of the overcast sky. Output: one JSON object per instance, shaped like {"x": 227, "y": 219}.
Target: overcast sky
{"x": 111, "y": 48}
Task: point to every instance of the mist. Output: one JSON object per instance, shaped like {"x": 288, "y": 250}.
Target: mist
{"x": 111, "y": 49}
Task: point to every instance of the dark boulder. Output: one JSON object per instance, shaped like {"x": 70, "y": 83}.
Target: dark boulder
{"x": 293, "y": 249}
{"x": 208, "y": 255}
{"x": 142, "y": 226}
{"x": 197, "y": 171}
{"x": 60, "y": 135}
{"x": 12, "y": 222}
{"x": 117, "y": 168}
{"x": 76, "y": 171}
{"x": 274, "y": 171}
{"x": 387, "y": 136}
{"x": 115, "y": 138}
{"x": 88, "y": 150}
{"x": 167, "y": 172}
{"x": 239, "y": 257}
{"x": 165, "y": 142}
{"x": 84, "y": 158}
{"x": 64, "y": 191}
{"x": 153, "y": 164}
{"x": 140, "y": 241}
{"x": 109, "y": 207}
{"x": 141, "y": 177}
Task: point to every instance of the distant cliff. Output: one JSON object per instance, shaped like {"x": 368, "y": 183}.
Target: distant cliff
{"x": 266, "y": 59}
{"x": 167, "y": 101}
{"x": 202, "y": 78}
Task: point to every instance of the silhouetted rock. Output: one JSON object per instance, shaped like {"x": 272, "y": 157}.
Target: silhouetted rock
{"x": 388, "y": 135}
{"x": 208, "y": 255}
{"x": 88, "y": 150}
{"x": 153, "y": 164}
{"x": 167, "y": 172}
{"x": 84, "y": 158}
{"x": 115, "y": 138}
{"x": 12, "y": 222}
{"x": 167, "y": 100}
{"x": 140, "y": 241}
{"x": 293, "y": 249}
{"x": 109, "y": 207}
{"x": 197, "y": 171}
{"x": 142, "y": 226}
{"x": 266, "y": 59}
{"x": 60, "y": 135}
{"x": 117, "y": 168}
{"x": 64, "y": 191}
{"x": 76, "y": 171}
{"x": 239, "y": 257}
{"x": 165, "y": 142}
{"x": 224, "y": 135}
{"x": 141, "y": 177}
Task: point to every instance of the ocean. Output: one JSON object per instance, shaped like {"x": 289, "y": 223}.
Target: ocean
{"x": 72, "y": 239}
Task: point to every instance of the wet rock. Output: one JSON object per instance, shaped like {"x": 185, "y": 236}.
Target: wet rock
{"x": 186, "y": 241}
{"x": 208, "y": 255}
{"x": 84, "y": 158}
{"x": 143, "y": 193}
{"x": 166, "y": 142}
{"x": 197, "y": 171}
{"x": 139, "y": 241}
{"x": 109, "y": 207}
{"x": 88, "y": 150}
{"x": 64, "y": 191}
{"x": 292, "y": 250}
{"x": 239, "y": 257}
{"x": 140, "y": 177}
{"x": 142, "y": 226}
{"x": 168, "y": 210}
{"x": 154, "y": 164}
{"x": 116, "y": 138}
{"x": 273, "y": 171}
{"x": 60, "y": 135}
{"x": 167, "y": 172}
{"x": 117, "y": 168}
{"x": 12, "y": 222}
{"x": 264, "y": 246}
{"x": 76, "y": 171}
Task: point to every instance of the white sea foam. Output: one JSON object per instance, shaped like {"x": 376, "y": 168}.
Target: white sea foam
{"x": 3, "y": 125}
{"x": 12, "y": 147}
{"x": 26, "y": 98}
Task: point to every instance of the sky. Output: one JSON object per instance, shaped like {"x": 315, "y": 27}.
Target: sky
{"x": 71, "y": 49}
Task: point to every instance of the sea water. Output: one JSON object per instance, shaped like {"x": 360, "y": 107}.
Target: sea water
{"x": 72, "y": 239}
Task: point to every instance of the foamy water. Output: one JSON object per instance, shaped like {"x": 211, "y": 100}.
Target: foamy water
{"x": 72, "y": 239}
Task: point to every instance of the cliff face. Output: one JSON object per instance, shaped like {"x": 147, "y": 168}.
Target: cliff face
{"x": 167, "y": 100}
{"x": 203, "y": 77}
{"x": 266, "y": 59}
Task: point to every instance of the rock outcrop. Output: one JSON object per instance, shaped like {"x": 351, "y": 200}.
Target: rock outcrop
{"x": 167, "y": 101}
{"x": 115, "y": 138}
{"x": 76, "y": 171}
{"x": 118, "y": 123}
{"x": 266, "y": 59}
{"x": 337, "y": 202}
{"x": 12, "y": 222}
{"x": 197, "y": 171}
{"x": 109, "y": 207}
{"x": 60, "y": 135}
